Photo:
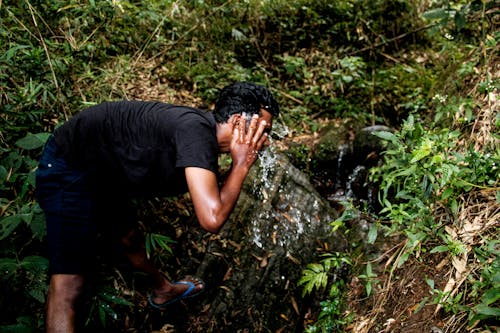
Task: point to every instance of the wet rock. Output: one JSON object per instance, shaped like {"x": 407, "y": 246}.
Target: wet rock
{"x": 331, "y": 159}
{"x": 366, "y": 147}
{"x": 251, "y": 268}
{"x": 332, "y": 144}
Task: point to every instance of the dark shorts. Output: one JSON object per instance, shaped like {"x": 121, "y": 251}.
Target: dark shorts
{"x": 76, "y": 211}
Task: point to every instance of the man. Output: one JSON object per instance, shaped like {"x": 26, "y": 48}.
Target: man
{"x": 109, "y": 153}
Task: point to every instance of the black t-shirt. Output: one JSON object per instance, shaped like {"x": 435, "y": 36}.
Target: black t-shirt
{"x": 140, "y": 147}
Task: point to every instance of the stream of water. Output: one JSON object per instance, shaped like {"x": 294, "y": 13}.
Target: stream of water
{"x": 288, "y": 209}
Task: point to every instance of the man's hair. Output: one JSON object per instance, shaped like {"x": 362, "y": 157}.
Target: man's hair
{"x": 242, "y": 97}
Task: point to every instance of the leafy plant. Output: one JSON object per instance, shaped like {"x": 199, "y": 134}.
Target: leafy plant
{"x": 369, "y": 277}
{"x": 104, "y": 305}
{"x": 423, "y": 171}
{"x": 29, "y": 274}
{"x": 487, "y": 287}
{"x": 457, "y": 13}
{"x": 421, "y": 167}
{"x": 317, "y": 277}
{"x": 331, "y": 317}
{"x": 157, "y": 242}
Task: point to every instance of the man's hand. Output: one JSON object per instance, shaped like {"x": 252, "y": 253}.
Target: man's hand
{"x": 213, "y": 205}
{"x": 247, "y": 142}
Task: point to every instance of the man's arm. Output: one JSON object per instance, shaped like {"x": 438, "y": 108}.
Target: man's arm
{"x": 213, "y": 205}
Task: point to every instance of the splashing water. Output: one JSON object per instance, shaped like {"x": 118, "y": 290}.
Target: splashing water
{"x": 280, "y": 131}
{"x": 288, "y": 221}
{"x": 343, "y": 153}
{"x": 286, "y": 209}
{"x": 268, "y": 158}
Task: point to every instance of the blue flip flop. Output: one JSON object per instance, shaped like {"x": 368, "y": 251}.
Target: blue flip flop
{"x": 190, "y": 292}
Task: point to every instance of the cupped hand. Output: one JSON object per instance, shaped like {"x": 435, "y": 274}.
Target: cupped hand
{"x": 247, "y": 142}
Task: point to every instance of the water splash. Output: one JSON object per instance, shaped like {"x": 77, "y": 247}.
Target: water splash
{"x": 354, "y": 179}
{"x": 343, "y": 150}
{"x": 287, "y": 210}
{"x": 268, "y": 160}
{"x": 286, "y": 222}
{"x": 280, "y": 131}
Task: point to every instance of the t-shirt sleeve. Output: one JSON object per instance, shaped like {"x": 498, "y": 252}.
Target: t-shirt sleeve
{"x": 196, "y": 143}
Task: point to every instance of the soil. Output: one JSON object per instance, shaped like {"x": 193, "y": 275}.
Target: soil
{"x": 402, "y": 300}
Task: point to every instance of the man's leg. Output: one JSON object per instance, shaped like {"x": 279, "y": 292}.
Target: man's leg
{"x": 68, "y": 200}
{"x": 163, "y": 289}
{"x": 64, "y": 290}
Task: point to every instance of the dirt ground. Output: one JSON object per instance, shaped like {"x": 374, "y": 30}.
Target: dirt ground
{"x": 401, "y": 301}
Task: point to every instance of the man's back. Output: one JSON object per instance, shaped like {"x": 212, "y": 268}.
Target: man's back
{"x": 141, "y": 147}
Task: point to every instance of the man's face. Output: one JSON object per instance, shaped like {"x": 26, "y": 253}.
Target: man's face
{"x": 268, "y": 117}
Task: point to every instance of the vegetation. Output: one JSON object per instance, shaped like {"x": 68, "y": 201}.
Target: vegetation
{"x": 428, "y": 69}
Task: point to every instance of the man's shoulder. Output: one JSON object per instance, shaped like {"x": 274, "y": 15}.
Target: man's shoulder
{"x": 151, "y": 111}
{"x": 189, "y": 114}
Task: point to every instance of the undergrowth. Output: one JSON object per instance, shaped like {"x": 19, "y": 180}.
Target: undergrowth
{"x": 370, "y": 61}
{"x": 439, "y": 184}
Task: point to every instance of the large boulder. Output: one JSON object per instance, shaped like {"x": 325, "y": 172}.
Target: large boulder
{"x": 251, "y": 269}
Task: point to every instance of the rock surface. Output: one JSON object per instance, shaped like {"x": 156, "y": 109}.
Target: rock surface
{"x": 251, "y": 268}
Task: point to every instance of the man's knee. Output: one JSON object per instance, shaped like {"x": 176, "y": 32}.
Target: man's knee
{"x": 66, "y": 287}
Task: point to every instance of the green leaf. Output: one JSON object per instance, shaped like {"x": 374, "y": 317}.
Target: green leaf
{"x": 454, "y": 206}
{"x": 314, "y": 276}
{"x": 484, "y": 310}
{"x": 38, "y": 226}
{"x": 9, "y": 224}
{"x": 441, "y": 248}
{"x": 8, "y": 267}
{"x": 13, "y": 51}
{"x": 102, "y": 314}
{"x": 3, "y": 174}
{"x": 37, "y": 294}
{"x": 420, "y": 154}
{"x": 447, "y": 193}
{"x": 17, "y": 328}
{"x": 369, "y": 271}
{"x": 32, "y": 141}
{"x": 109, "y": 310}
{"x": 436, "y": 14}
{"x": 336, "y": 225}
{"x": 402, "y": 259}
{"x": 372, "y": 233}
{"x": 406, "y": 171}
{"x": 314, "y": 268}
{"x": 368, "y": 288}
{"x": 491, "y": 296}
{"x": 460, "y": 20}
{"x": 158, "y": 242}
{"x": 388, "y": 136}
{"x": 114, "y": 299}
{"x": 35, "y": 264}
